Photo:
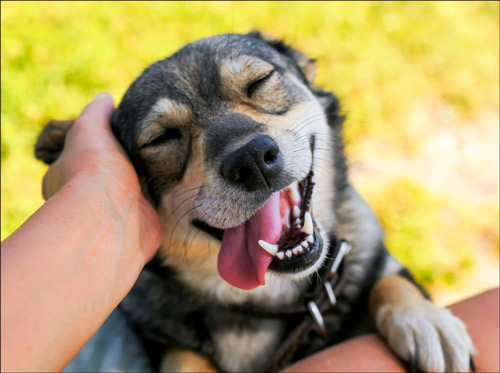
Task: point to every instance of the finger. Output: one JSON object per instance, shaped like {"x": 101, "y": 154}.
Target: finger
{"x": 93, "y": 121}
{"x": 99, "y": 110}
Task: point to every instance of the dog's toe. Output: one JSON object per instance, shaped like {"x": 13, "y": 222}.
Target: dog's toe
{"x": 427, "y": 336}
{"x": 413, "y": 364}
{"x": 472, "y": 365}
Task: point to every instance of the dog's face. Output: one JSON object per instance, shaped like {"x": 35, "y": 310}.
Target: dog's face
{"x": 226, "y": 135}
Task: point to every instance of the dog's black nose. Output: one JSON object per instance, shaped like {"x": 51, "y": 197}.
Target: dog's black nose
{"x": 256, "y": 165}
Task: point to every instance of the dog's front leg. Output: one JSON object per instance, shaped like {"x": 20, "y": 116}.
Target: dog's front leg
{"x": 428, "y": 337}
{"x": 183, "y": 360}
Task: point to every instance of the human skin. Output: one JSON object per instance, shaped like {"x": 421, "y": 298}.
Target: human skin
{"x": 70, "y": 264}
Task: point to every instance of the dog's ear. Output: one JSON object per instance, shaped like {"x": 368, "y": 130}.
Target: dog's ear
{"x": 305, "y": 65}
{"x": 50, "y": 142}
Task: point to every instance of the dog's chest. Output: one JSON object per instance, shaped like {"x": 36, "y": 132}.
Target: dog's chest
{"x": 247, "y": 345}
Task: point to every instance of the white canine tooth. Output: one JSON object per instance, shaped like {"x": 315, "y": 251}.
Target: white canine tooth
{"x": 295, "y": 195}
{"x": 270, "y": 248}
{"x": 296, "y": 250}
{"x": 308, "y": 224}
{"x": 289, "y": 253}
{"x": 280, "y": 255}
{"x": 304, "y": 244}
{"x": 296, "y": 211}
{"x": 297, "y": 222}
{"x": 310, "y": 238}
{"x": 300, "y": 249}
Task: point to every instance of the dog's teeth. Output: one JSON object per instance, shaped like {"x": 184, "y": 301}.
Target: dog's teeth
{"x": 296, "y": 250}
{"x": 280, "y": 255}
{"x": 270, "y": 248}
{"x": 310, "y": 238}
{"x": 295, "y": 195}
{"x": 304, "y": 244}
{"x": 300, "y": 249}
{"x": 308, "y": 224}
{"x": 289, "y": 253}
{"x": 297, "y": 222}
{"x": 296, "y": 211}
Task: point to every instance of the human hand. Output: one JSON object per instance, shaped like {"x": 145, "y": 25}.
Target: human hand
{"x": 93, "y": 161}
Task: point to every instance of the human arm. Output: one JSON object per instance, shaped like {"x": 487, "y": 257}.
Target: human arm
{"x": 70, "y": 264}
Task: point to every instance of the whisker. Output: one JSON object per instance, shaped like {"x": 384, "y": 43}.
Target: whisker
{"x": 182, "y": 217}
{"x": 323, "y": 170}
{"x": 306, "y": 122}
{"x": 176, "y": 207}
{"x": 290, "y": 128}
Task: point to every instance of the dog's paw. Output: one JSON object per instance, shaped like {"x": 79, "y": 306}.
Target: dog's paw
{"x": 428, "y": 337}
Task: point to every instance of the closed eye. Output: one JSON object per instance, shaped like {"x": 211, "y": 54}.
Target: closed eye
{"x": 256, "y": 84}
{"x": 167, "y": 135}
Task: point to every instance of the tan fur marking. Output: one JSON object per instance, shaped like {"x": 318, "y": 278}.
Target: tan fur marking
{"x": 237, "y": 73}
{"x": 393, "y": 290}
{"x": 171, "y": 110}
{"x": 252, "y": 113}
{"x": 165, "y": 112}
{"x": 185, "y": 361}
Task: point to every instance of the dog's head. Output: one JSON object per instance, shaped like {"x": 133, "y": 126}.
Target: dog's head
{"x": 226, "y": 136}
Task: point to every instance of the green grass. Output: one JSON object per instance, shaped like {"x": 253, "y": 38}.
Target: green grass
{"x": 380, "y": 58}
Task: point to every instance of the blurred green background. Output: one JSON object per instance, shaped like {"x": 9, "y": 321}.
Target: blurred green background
{"x": 418, "y": 82}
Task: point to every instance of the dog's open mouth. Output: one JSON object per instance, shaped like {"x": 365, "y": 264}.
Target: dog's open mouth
{"x": 282, "y": 237}
{"x": 298, "y": 246}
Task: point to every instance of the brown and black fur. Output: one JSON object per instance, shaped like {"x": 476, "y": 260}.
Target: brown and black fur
{"x": 178, "y": 122}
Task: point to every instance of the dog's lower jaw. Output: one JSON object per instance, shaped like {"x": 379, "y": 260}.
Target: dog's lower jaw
{"x": 324, "y": 243}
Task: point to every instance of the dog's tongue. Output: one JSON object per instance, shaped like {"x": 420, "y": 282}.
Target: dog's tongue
{"x": 242, "y": 262}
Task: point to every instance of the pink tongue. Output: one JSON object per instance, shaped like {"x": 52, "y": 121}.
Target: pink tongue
{"x": 242, "y": 262}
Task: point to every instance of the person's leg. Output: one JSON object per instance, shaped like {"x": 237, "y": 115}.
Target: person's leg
{"x": 369, "y": 353}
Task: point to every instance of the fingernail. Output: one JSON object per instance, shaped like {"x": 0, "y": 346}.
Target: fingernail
{"x": 101, "y": 95}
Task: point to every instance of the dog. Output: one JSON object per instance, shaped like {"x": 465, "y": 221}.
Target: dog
{"x": 268, "y": 252}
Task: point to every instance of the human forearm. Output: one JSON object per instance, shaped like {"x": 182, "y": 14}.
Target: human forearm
{"x": 63, "y": 272}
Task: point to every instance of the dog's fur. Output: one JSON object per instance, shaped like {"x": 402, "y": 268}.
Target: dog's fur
{"x": 179, "y": 122}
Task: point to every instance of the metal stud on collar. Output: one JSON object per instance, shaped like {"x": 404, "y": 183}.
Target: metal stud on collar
{"x": 344, "y": 249}
{"x": 330, "y": 293}
{"x": 317, "y": 317}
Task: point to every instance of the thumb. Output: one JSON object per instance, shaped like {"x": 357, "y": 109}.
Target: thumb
{"x": 93, "y": 121}
{"x": 99, "y": 110}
